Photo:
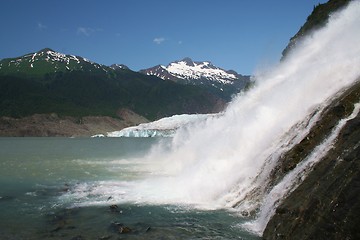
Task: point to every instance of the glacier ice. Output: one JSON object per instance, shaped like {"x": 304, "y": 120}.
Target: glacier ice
{"x": 165, "y": 127}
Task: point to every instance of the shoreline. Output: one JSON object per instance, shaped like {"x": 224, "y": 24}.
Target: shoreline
{"x": 53, "y": 125}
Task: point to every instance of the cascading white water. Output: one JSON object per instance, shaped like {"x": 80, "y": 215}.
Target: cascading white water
{"x": 207, "y": 162}
{"x": 218, "y": 162}
{"x": 294, "y": 178}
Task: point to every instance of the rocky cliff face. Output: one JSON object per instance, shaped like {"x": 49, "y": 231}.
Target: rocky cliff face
{"x": 317, "y": 19}
{"x": 327, "y": 203}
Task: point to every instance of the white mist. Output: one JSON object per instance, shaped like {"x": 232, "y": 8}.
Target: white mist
{"x": 216, "y": 163}
{"x": 206, "y": 162}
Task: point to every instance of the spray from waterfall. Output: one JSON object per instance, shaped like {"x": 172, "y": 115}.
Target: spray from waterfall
{"x": 207, "y": 162}
{"x": 224, "y": 161}
{"x": 294, "y": 178}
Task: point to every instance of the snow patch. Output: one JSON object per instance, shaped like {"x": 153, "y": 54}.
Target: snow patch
{"x": 197, "y": 70}
{"x": 194, "y": 72}
{"x": 33, "y": 57}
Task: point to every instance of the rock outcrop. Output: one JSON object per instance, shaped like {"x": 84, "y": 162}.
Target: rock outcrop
{"x": 326, "y": 205}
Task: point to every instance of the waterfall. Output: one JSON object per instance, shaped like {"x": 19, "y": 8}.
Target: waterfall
{"x": 226, "y": 161}
{"x": 295, "y": 177}
{"x": 204, "y": 163}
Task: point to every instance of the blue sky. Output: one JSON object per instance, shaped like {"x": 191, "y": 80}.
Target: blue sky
{"x": 242, "y": 35}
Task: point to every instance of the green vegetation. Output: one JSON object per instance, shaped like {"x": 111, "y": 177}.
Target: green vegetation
{"x": 317, "y": 19}
{"x": 47, "y": 61}
{"x": 49, "y": 82}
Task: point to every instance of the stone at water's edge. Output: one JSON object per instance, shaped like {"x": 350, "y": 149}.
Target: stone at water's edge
{"x": 327, "y": 204}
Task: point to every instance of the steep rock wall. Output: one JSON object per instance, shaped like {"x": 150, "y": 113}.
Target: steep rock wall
{"x": 327, "y": 203}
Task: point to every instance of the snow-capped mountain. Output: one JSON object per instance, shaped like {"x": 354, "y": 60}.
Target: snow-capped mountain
{"x": 49, "y": 61}
{"x": 47, "y": 81}
{"x": 187, "y": 71}
{"x": 213, "y": 83}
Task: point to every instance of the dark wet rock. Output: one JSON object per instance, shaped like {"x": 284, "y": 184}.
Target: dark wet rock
{"x": 281, "y": 210}
{"x": 245, "y": 213}
{"x": 115, "y": 209}
{"x": 120, "y": 228}
{"x": 326, "y": 205}
{"x": 124, "y": 229}
{"x": 341, "y": 108}
{"x": 65, "y": 188}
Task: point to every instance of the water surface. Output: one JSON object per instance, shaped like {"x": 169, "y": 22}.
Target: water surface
{"x": 47, "y": 192}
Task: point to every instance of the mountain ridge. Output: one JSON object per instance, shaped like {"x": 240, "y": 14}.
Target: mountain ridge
{"x": 47, "y": 82}
{"x": 317, "y": 19}
{"x": 187, "y": 71}
{"x": 46, "y": 61}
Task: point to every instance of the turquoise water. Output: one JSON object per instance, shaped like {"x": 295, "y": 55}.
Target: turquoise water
{"x": 63, "y": 188}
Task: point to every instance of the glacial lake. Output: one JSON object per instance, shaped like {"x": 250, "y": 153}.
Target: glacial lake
{"x": 75, "y": 188}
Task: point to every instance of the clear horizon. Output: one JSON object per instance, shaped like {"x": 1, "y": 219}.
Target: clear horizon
{"x": 234, "y": 35}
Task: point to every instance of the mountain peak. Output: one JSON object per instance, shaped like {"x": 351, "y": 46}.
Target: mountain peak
{"x": 119, "y": 66}
{"x": 46, "y": 50}
{"x": 187, "y": 71}
{"x": 187, "y": 60}
{"x": 49, "y": 61}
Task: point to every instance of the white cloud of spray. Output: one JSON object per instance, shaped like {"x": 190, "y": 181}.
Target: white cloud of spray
{"x": 207, "y": 162}
{"x": 215, "y": 164}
